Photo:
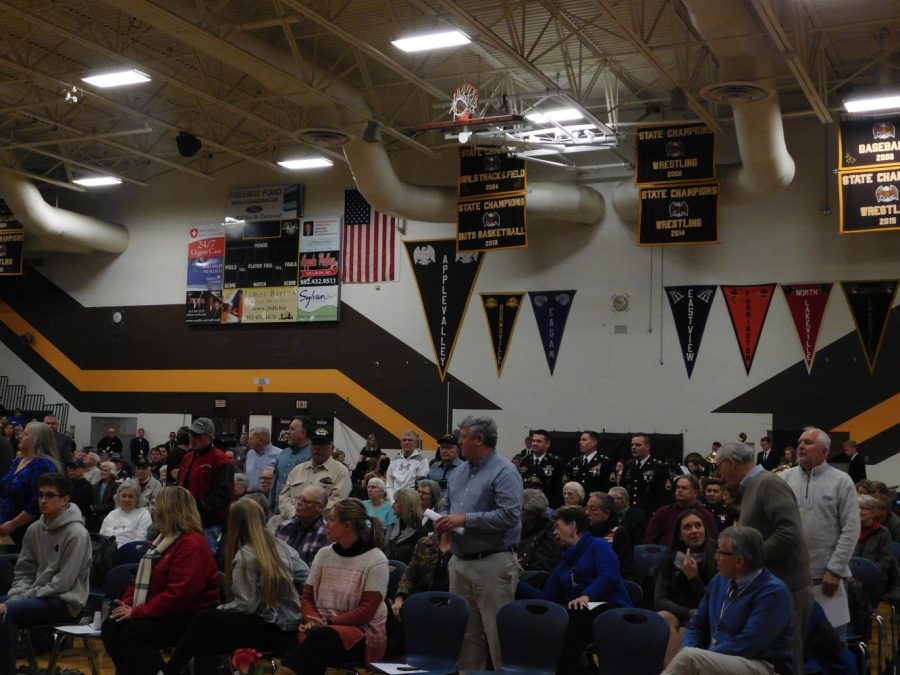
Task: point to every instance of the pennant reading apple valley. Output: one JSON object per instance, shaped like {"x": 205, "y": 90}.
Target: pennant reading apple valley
{"x": 748, "y": 307}
{"x": 807, "y": 303}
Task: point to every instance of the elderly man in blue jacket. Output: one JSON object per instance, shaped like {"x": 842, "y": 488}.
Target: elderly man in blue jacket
{"x": 743, "y": 624}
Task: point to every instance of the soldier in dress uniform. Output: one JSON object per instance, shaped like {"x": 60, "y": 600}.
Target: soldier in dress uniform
{"x": 646, "y": 479}
{"x": 543, "y": 471}
{"x": 594, "y": 471}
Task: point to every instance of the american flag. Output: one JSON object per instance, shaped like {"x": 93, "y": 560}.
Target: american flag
{"x": 369, "y": 242}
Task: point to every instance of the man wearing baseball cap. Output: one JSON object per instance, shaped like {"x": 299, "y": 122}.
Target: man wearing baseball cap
{"x": 448, "y": 446}
{"x": 208, "y": 474}
{"x": 321, "y": 470}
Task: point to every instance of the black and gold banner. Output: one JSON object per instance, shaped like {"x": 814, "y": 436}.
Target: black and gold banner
{"x": 690, "y": 310}
{"x": 870, "y": 200}
{"x": 502, "y": 312}
{"x": 491, "y": 224}
{"x": 870, "y": 305}
{"x": 12, "y": 238}
{"x": 869, "y": 143}
{"x": 675, "y": 154}
{"x": 678, "y": 214}
{"x": 490, "y": 171}
{"x": 551, "y": 311}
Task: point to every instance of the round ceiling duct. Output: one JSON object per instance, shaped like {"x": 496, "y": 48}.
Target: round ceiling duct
{"x": 324, "y": 138}
{"x": 730, "y": 93}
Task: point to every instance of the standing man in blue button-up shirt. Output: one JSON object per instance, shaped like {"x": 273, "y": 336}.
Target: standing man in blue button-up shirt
{"x": 297, "y": 452}
{"x": 484, "y": 496}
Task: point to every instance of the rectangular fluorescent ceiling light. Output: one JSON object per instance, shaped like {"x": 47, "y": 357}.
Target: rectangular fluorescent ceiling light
{"x": 306, "y": 163}
{"x": 118, "y": 78}
{"x": 872, "y": 103}
{"x": 97, "y": 181}
{"x": 423, "y": 43}
{"x": 558, "y": 115}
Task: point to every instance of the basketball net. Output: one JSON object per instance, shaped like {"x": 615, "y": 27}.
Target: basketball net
{"x": 465, "y": 102}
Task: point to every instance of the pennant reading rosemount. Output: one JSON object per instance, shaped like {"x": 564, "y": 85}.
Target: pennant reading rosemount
{"x": 748, "y": 307}
{"x": 502, "y": 312}
{"x": 870, "y": 305}
{"x": 551, "y": 311}
{"x": 690, "y": 310}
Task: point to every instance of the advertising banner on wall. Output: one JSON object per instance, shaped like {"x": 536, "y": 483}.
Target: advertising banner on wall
{"x": 748, "y": 307}
{"x": 502, "y": 312}
{"x": 445, "y": 280}
{"x": 319, "y": 294}
{"x": 807, "y": 303}
{"x": 491, "y": 224}
{"x": 206, "y": 265}
{"x": 690, "y": 310}
{"x": 274, "y": 202}
{"x": 678, "y": 214}
{"x": 869, "y": 142}
{"x": 870, "y": 305}
{"x": 869, "y": 200}
{"x": 675, "y": 153}
{"x": 551, "y": 311}
{"x": 490, "y": 171}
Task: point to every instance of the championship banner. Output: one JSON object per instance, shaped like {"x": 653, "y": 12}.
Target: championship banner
{"x": 502, "y": 312}
{"x": 319, "y": 294}
{"x": 12, "y": 239}
{"x": 870, "y": 305}
{"x": 748, "y": 307}
{"x": 551, "y": 311}
{"x": 490, "y": 171}
{"x": 690, "y": 310}
{"x": 206, "y": 266}
{"x": 276, "y": 202}
{"x": 682, "y": 153}
{"x": 678, "y": 214}
{"x": 491, "y": 224}
{"x": 869, "y": 200}
{"x": 869, "y": 143}
{"x": 807, "y": 304}
{"x": 445, "y": 280}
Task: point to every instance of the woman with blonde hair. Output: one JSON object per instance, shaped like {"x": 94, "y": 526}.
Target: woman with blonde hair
{"x": 343, "y": 604}
{"x": 176, "y": 578}
{"x": 401, "y": 537}
{"x": 127, "y": 522}
{"x": 262, "y": 575}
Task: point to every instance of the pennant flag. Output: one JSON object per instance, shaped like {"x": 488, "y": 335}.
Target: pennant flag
{"x": 445, "y": 280}
{"x": 369, "y": 242}
{"x": 501, "y": 311}
{"x": 807, "y": 303}
{"x": 870, "y": 304}
{"x": 748, "y": 307}
{"x": 690, "y": 309}
{"x": 551, "y": 310}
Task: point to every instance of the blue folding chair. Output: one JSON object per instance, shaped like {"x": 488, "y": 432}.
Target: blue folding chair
{"x": 131, "y": 552}
{"x": 868, "y": 575}
{"x": 396, "y": 570}
{"x": 434, "y": 624}
{"x": 630, "y": 642}
{"x": 532, "y": 634}
{"x": 635, "y": 592}
{"x": 646, "y": 558}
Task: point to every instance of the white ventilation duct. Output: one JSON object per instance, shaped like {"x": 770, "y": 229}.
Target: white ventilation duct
{"x": 52, "y": 229}
{"x": 747, "y": 84}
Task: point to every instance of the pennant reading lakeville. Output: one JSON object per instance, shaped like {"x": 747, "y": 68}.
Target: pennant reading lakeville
{"x": 502, "y": 312}
{"x": 807, "y": 304}
{"x": 551, "y": 310}
{"x": 690, "y": 310}
{"x": 870, "y": 305}
{"x": 445, "y": 280}
{"x": 748, "y": 307}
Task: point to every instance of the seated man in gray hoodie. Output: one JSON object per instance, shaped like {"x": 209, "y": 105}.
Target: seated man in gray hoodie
{"x": 52, "y": 576}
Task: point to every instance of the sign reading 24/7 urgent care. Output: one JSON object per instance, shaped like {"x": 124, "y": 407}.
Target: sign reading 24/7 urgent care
{"x": 678, "y": 214}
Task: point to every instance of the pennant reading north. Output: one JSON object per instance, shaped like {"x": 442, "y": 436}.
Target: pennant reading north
{"x": 807, "y": 303}
{"x": 445, "y": 280}
{"x": 748, "y": 307}
{"x": 502, "y": 312}
{"x": 870, "y": 304}
{"x": 551, "y": 310}
{"x": 690, "y": 310}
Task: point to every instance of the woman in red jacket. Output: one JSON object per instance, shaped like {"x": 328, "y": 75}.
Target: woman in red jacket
{"x": 177, "y": 577}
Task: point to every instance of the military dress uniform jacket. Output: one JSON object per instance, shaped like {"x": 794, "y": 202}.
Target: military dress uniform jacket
{"x": 545, "y": 475}
{"x": 598, "y": 476}
{"x": 649, "y": 486}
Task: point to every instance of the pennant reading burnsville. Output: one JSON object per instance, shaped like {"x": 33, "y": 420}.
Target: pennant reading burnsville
{"x": 551, "y": 309}
{"x": 501, "y": 311}
{"x": 748, "y": 306}
{"x": 807, "y": 303}
{"x": 445, "y": 280}
{"x": 870, "y": 304}
{"x": 690, "y": 309}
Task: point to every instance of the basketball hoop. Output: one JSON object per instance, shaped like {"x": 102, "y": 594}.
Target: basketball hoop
{"x": 465, "y": 101}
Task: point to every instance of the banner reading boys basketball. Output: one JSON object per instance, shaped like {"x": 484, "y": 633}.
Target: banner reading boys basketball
{"x": 681, "y": 153}
{"x": 870, "y": 304}
{"x": 445, "y": 280}
{"x": 493, "y": 223}
{"x": 502, "y": 312}
{"x": 678, "y": 214}
{"x": 489, "y": 171}
{"x": 551, "y": 311}
{"x": 690, "y": 310}
{"x": 870, "y": 200}
{"x": 807, "y": 303}
{"x": 869, "y": 142}
{"x": 748, "y": 307}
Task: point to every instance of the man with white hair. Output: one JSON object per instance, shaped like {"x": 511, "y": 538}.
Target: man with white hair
{"x": 409, "y": 467}
{"x": 830, "y": 512}
{"x": 92, "y": 467}
{"x": 261, "y": 455}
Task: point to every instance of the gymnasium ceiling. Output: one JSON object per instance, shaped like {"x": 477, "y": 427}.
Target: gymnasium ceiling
{"x": 248, "y": 77}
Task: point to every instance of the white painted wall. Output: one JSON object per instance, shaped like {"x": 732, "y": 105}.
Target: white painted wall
{"x": 603, "y": 380}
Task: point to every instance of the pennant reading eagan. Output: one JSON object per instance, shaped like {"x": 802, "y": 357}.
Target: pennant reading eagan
{"x": 551, "y": 311}
{"x": 807, "y": 304}
{"x": 690, "y": 310}
{"x": 502, "y": 312}
{"x": 748, "y": 307}
{"x": 870, "y": 304}
{"x": 445, "y": 280}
